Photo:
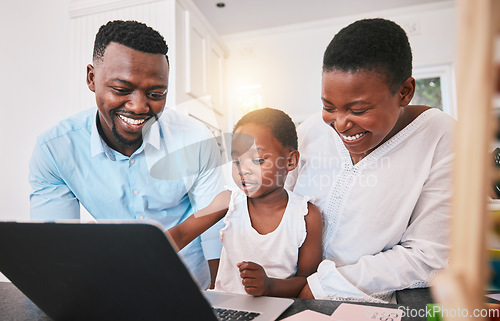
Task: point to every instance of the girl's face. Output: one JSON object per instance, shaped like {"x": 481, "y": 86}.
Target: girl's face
{"x": 360, "y": 107}
{"x": 260, "y": 162}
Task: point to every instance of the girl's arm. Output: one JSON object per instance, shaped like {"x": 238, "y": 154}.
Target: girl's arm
{"x": 256, "y": 281}
{"x": 183, "y": 233}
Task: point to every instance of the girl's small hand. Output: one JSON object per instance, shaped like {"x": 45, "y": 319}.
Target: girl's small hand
{"x": 306, "y": 293}
{"x": 254, "y": 278}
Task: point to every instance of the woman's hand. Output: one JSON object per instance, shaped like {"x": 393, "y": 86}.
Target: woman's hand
{"x": 254, "y": 278}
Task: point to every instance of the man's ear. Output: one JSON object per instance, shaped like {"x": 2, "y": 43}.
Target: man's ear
{"x": 292, "y": 160}
{"x": 90, "y": 77}
{"x": 407, "y": 90}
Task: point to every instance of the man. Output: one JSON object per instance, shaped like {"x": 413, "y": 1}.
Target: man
{"x": 103, "y": 158}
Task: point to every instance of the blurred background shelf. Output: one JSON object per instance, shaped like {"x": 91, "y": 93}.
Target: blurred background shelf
{"x": 463, "y": 284}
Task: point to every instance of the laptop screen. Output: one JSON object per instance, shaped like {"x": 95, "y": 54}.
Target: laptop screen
{"x": 100, "y": 272}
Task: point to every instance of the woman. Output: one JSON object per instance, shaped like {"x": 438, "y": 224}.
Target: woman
{"x": 379, "y": 169}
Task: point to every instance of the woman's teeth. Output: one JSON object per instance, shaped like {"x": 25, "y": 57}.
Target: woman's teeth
{"x": 132, "y": 121}
{"x": 354, "y": 137}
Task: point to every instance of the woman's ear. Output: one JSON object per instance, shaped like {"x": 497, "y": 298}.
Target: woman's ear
{"x": 292, "y": 160}
{"x": 407, "y": 90}
{"x": 90, "y": 77}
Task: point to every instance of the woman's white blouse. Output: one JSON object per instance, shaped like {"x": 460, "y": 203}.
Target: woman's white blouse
{"x": 386, "y": 217}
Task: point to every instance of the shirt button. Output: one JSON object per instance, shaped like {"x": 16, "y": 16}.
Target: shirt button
{"x": 132, "y": 161}
{"x": 136, "y": 192}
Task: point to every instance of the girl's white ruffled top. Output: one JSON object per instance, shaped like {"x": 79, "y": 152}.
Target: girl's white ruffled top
{"x": 277, "y": 252}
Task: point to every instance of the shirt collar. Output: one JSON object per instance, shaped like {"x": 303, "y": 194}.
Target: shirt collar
{"x": 153, "y": 136}
{"x": 99, "y": 146}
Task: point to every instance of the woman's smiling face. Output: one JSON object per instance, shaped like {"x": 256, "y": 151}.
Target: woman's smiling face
{"x": 361, "y": 108}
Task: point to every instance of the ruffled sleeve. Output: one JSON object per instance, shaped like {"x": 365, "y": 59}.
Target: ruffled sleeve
{"x": 302, "y": 210}
{"x": 234, "y": 202}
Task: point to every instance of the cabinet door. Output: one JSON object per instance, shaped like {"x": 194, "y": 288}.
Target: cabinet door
{"x": 215, "y": 82}
{"x": 196, "y": 62}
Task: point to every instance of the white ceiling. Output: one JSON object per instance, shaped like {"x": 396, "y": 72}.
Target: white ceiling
{"x": 246, "y": 15}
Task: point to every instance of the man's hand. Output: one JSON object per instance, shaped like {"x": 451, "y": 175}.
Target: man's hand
{"x": 254, "y": 278}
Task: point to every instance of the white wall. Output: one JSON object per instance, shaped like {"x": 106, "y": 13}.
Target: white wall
{"x": 286, "y": 62}
{"x": 33, "y": 88}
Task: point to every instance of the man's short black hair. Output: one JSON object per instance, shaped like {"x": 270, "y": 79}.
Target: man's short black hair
{"x": 280, "y": 124}
{"x": 133, "y": 34}
{"x": 373, "y": 45}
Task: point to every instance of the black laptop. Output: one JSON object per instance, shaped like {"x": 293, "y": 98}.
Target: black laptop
{"x": 109, "y": 271}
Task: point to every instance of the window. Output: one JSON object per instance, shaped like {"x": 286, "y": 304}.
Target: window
{"x": 428, "y": 92}
{"x": 435, "y": 87}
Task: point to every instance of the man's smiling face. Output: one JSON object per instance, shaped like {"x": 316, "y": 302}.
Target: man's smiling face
{"x": 131, "y": 89}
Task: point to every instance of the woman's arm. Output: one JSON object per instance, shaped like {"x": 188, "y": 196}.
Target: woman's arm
{"x": 256, "y": 281}
{"x": 182, "y": 234}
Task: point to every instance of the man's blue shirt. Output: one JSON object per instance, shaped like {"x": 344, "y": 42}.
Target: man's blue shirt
{"x": 175, "y": 172}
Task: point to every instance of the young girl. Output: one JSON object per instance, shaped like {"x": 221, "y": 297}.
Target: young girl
{"x": 272, "y": 238}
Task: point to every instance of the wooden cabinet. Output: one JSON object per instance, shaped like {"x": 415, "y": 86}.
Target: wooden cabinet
{"x": 215, "y": 79}
{"x": 196, "y": 57}
{"x": 201, "y": 58}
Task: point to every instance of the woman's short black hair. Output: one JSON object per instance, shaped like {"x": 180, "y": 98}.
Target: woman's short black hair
{"x": 280, "y": 124}
{"x": 378, "y": 45}
{"x": 133, "y": 34}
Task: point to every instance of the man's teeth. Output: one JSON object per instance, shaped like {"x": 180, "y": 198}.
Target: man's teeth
{"x": 354, "y": 137}
{"x": 131, "y": 121}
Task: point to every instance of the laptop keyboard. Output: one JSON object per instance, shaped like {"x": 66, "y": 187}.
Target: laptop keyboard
{"x": 230, "y": 315}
